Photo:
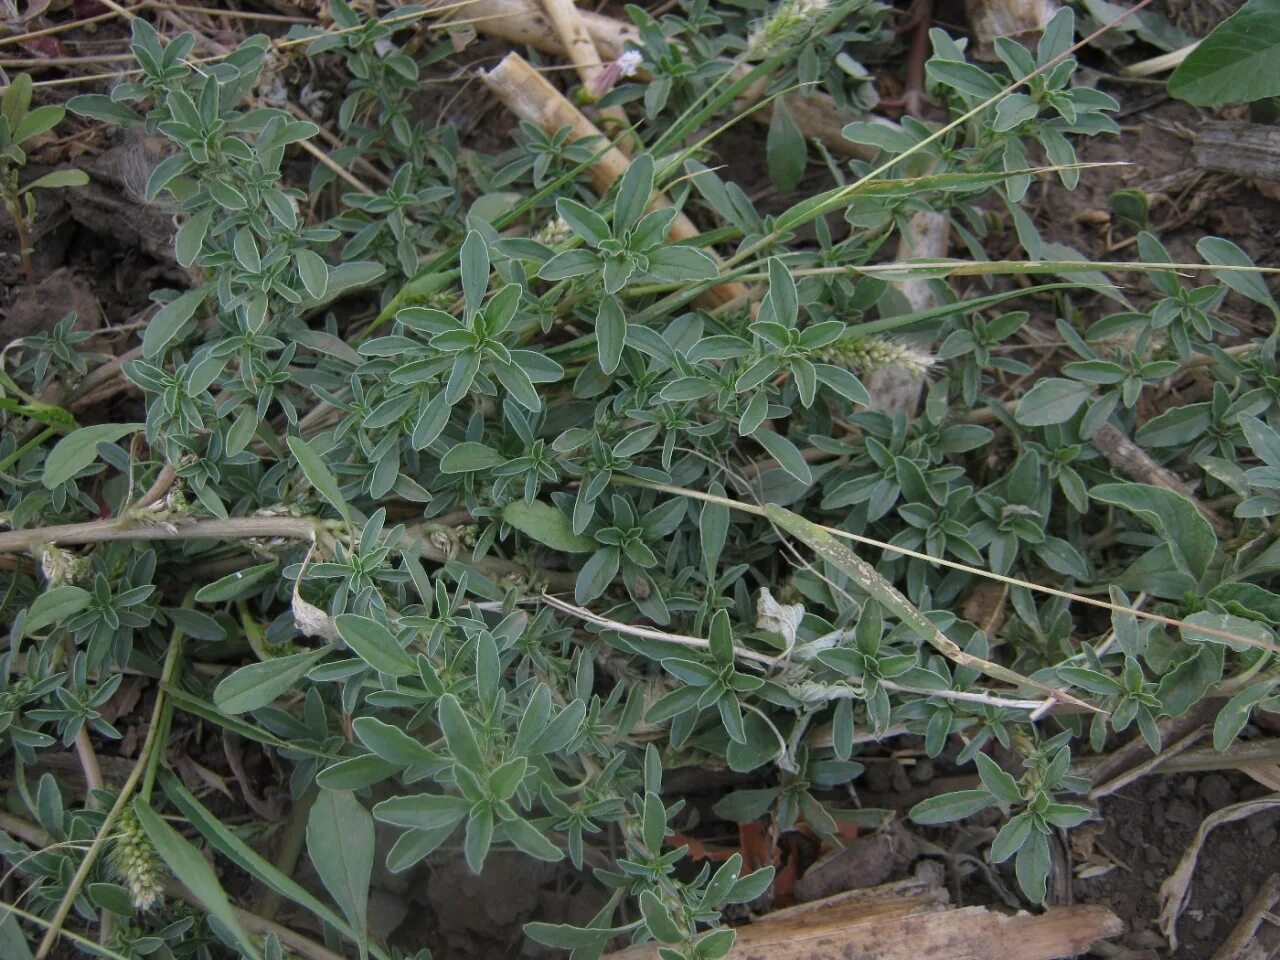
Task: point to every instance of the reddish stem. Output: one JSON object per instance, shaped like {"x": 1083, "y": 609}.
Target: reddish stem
{"x": 919, "y": 17}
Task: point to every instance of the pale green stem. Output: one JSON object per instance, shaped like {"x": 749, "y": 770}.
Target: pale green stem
{"x": 126, "y": 794}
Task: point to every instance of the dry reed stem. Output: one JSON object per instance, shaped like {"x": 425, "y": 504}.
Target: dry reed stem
{"x": 1135, "y": 463}
{"x": 520, "y": 22}
{"x": 527, "y": 94}
{"x": 581, "y": 51}
{"x": 338, "y": 169}
{"x": 1243, "y": 942}
{"x": 64, "y": 27}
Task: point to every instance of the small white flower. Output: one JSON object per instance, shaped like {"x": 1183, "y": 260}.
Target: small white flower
{"x": 625, "y": 66}
{"x": 629, "y": 63}
{"x": 553, "y": 231}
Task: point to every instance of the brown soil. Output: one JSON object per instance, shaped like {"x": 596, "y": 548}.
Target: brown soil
{"x": 1147, "y": 827}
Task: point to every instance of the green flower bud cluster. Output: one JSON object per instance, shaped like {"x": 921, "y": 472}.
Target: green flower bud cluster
{"x": 135, "y": 861}
{"x": 788, "y": 26}
{"x": 869, "y": 354}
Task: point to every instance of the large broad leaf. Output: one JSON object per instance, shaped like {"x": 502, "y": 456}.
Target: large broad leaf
{"x": 1188, "y": 534}
{"x": 340, "y": 843}
{"x": 164, "y": 326}
{"x": 548, "y": 525}
{"x": 784, "y": 149}
{"x": 375, "y": 645}
{"x": 192, "y": 870}
{"x": 256, "y": 685}
{"x": 79, "y": 448}
{"x": 54, "y": 606}
{"x": 1052, "y": 400}
{"x": 1238, "y": 63}
{"x": 233, "y": 848}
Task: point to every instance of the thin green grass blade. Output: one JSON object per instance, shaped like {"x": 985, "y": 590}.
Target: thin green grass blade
{"x": 245, "y": 857}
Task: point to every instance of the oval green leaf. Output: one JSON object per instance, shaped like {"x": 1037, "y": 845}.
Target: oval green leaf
{"x": 79, "y": 448}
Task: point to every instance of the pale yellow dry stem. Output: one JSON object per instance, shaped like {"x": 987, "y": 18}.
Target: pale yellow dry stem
{"x": 521, "y": 22}
{"x": 335, "y": 143}
{"x": 1149, "y": 766}
{"x": 579, "y": 48}
{"x": 30, "y": 63}
{"x": 63, "y": 27}
{"x": 126, "y": 12}
{"x": 329, "y": 163}
{"x": 581, "y": 51}
{"x": 527, "y": 94}
{"x": 227, "y": 14}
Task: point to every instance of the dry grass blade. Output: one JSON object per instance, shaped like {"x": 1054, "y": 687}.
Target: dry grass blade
{"x": 528, "y": 94}
{"x": 649, "y": 633}
{"x": 1224, "y": 635}
{"x": 581, "y": 51}
{"x": 1152, "y": 765}
{"x": 1238, "y": 945}
{"x": 64, "y": 27}
{"x": 1175, "y": 891}
{"x": 883, "y": 592}
{"x": 699, "y": 644}
{"x": 128, "y": 12}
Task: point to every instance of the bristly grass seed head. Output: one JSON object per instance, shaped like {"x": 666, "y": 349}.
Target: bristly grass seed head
{"x": 788, "y": 25}
{"x": 869, "y": 354}
{"x": 135, "y": 861}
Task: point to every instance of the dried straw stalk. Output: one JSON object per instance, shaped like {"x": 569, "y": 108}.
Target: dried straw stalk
{"x": 520, "y": 22}
{"x": 527, "y": 94}
{"x": 581, "y": 51}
